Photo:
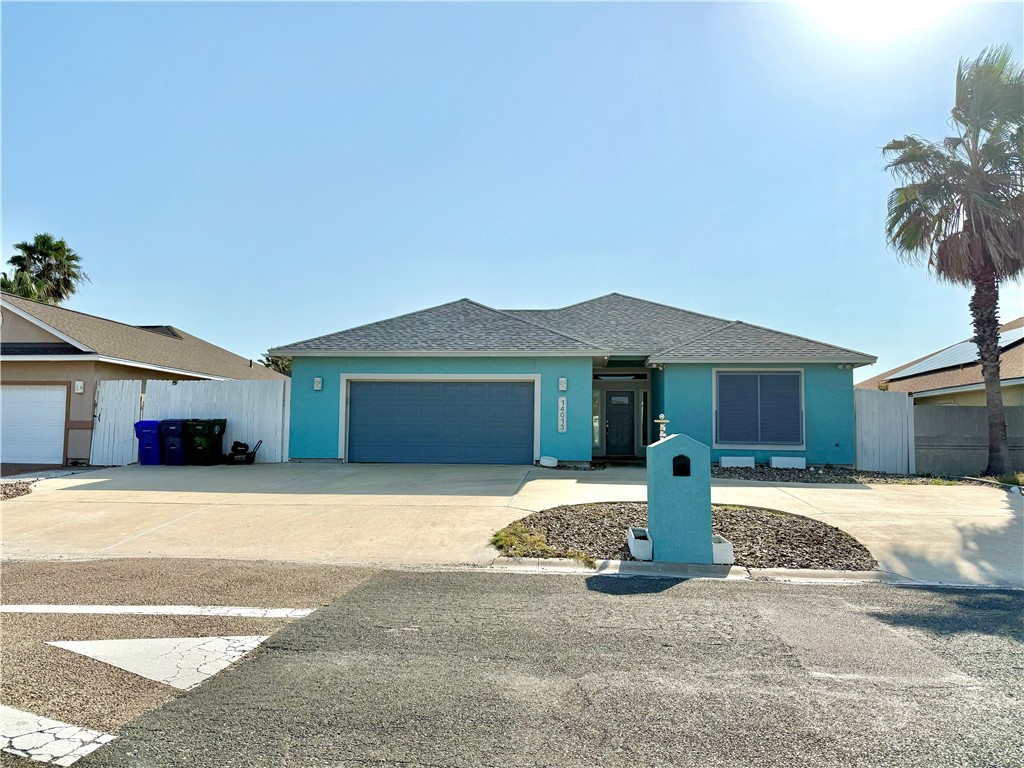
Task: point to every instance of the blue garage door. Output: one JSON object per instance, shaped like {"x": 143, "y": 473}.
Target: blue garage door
{"x": 441, "y": 422}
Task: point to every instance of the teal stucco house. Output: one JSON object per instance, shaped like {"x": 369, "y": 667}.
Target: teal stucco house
{"x": 465, "y": 383}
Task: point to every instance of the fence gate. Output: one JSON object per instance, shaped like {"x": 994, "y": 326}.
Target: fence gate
{"x": 885, "y": 431}
{"x": 118, "y": 407}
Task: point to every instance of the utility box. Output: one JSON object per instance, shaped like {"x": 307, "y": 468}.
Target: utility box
{"x": 679, "y": 500}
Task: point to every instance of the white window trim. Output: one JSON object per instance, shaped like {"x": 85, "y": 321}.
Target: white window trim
{"x": 346, "y": 378}
{"x": 802, "y": 446}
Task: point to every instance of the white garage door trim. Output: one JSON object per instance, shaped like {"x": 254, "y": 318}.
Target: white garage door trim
{"x": 40, "y": 426}
{"x": 348, "y": 377}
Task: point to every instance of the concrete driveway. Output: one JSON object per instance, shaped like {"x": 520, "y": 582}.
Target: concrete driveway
{"x": 399, "y": 514}
{"x": 443, "y": 514}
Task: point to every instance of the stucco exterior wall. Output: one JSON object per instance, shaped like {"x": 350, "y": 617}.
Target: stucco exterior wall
{"x": 78, "y": 423}
{"x": 684, "y": 392}
{"x": 315, "y": 415}
{"x": 15, "y": 329}
{"x": 1012, "y": 396}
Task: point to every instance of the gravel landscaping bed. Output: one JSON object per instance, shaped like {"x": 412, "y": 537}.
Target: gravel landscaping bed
{"x": 14, "y": 489}
{"x": 761, "y": 538}
{"x": 845, "y": 475}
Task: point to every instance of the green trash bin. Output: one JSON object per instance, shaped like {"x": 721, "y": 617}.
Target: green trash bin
{"x": 204, "y": 441}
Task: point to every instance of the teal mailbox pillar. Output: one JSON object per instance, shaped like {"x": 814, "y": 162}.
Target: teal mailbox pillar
{"x": 679, "y": 500}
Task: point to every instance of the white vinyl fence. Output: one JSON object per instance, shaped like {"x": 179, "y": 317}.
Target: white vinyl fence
{"x": 118, "y": 407}
{"x": 885, "y": 431}
{"x": 255, "y": 410}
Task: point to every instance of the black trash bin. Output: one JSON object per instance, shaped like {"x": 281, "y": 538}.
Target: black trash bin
{"x": 204, "y": 441}
{"x": 172, "y": 440}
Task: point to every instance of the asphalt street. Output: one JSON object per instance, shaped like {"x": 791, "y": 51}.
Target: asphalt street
{"x": 485, "y": 669}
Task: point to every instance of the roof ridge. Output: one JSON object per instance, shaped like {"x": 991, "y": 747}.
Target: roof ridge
{"x": 463, "y": 300}
{"x": 712, "y": 332}
{"x": 507, "y": 313}
{"x": 622, "y": 296}
{"x": 7, "y": 295}
{"x": 666, "y": 306}
{"x": 370, "y": 325}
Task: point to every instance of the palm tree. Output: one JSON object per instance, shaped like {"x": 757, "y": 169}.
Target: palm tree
{"x": 279, "y": 364}
{"x": 45, "y": 270}
{"x": 960, "y": 208}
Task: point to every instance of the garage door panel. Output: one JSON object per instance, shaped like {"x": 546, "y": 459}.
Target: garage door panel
{"x": 441, "y": 422}
{"x": 32, "y": 424}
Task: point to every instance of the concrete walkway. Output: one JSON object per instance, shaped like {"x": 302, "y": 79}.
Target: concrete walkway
{"x": 422, "y": 514}
{"x": 962, "y": 534}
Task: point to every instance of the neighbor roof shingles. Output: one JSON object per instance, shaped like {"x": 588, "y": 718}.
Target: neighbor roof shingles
{"x": 153, "y": 347}
{"x": 1011, "y": 366}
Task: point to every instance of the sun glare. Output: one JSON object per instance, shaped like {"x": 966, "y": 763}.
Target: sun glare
{"x": 878, "y": 20}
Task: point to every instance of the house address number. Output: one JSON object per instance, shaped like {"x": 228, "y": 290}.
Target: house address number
{"x": 562, "y": 414}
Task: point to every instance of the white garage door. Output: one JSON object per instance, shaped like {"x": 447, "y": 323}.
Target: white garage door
{"x": 32, "y": 421}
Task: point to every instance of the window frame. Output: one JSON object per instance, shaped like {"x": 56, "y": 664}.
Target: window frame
{"x": 801, "y": 446}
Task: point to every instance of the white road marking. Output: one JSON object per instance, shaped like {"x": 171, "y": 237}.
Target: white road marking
{"x": 45, "y": 740}
{"x": 164, "y": 610}
{"x": 181, "y": 662}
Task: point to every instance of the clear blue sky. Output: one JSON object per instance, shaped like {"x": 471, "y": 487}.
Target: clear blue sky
{"x": 257, "y": 174}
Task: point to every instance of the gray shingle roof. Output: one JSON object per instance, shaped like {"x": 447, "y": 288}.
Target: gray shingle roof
{"x": 623, "y": 324}
{"x": 152, "y": 345}
{"x": 739, "y": 341}
{"x": 460, "y": 326}
{"x": 608, "y": 325}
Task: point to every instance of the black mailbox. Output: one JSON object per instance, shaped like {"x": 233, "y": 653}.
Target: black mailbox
{"x": 680, "y": 466}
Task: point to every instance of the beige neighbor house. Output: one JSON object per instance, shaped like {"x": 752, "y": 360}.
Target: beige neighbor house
{"x": 952, "y": 376}
{"x": 51, "y": 359}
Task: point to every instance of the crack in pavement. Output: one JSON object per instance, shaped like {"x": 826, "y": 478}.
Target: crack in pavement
{"x": 44, "y": 740}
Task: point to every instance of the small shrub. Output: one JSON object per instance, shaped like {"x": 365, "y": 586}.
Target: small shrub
{"x": 582, "y": 557}
{"x": 1012, "y": 478}
{"x": 516, "y": 540}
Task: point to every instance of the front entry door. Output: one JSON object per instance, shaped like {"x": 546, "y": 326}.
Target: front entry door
{"x": 619, "y": 430}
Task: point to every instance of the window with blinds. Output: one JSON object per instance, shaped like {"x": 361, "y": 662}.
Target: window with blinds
{"x": 758, "y": 408}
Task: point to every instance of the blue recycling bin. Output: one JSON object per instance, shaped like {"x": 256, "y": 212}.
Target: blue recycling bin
{"x": 172, "y": 440}
{"x": 148, "y": 433}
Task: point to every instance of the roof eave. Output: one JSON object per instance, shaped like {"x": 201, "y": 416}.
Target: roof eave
{"x": 974, "y": 387}
{"x": 298, "y": 352}
{"x": 25, "y": 315}
{"x": 95, "y": 358}
{"x": 855, "y": 361}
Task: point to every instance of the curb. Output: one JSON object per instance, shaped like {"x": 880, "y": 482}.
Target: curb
{"x": 619, "y": 568}
{"x": 1008, "y": 487}
{"x": 722, "y": 573}
{"x": 813, "y": 576}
